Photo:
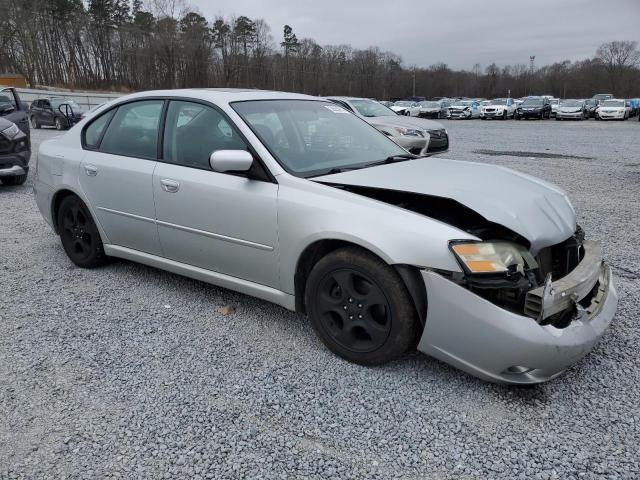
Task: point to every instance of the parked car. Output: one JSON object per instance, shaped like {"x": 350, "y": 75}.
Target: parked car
{"x": 404, "y": 130}
{"x": 634, "y": 104}
{"x": 88, "y": 112}
{"x": 613, "y": 109}
{"x": 601, "y": 97}
{"x": 58, "y": 112}
{"x": 534, "y": 107}
{"x": 501, "y": 108}
{"x": 591, "y": 105}
{"x": 15, "y": 152}
{"x": 465, "y": 109}
{"x": 288, "y": 198}
{"x": 555, "y": 103}
{"x": 12, "y": 108}
{"x": 406, "y": 107}
{"x": 572, "y": 110}
{"x": 434, "y": 109}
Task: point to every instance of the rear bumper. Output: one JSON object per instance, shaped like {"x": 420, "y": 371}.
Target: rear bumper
{"x": 474, "y": 335}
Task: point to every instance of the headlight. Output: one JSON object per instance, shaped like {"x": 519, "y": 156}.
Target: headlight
{"x": 408, "y": 132}
{"x": 10, "y": 132}
{"x": 493, "y": 257}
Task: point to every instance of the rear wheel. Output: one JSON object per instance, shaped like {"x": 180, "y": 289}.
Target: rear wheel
{"x": 59, "y": 124}
{"x": 79, "y": 234}
{"x": 15, "y": 180}
{"x": 360, "y": 308}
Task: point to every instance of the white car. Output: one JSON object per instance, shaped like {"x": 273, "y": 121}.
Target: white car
{"x": 501, "y": 108}
{"x": 613, "y": 109}
{"x": 406, "y": 107}
{"x": 555, "y": 103}
{"x": 465, "y": 109}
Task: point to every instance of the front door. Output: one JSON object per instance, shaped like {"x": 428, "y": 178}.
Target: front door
{"x": 218, "y": 221}
{"x": 117, "y": 172}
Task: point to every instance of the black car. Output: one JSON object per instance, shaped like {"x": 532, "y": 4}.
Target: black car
{"x": 534, "y": 107}
{"x": 14, "y": 109}
{"x": 61, "y": 113}
{"x": 15, "y": 152}
{"x": 592, "y": 104}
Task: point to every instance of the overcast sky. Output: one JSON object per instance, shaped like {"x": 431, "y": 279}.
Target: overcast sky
{"x": 457, "y": 32}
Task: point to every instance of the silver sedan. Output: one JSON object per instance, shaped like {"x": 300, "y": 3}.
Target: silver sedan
{"x": 294, "y": 200}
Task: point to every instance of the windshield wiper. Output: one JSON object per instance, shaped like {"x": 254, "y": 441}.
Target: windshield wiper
{"x": 392, "y": 159}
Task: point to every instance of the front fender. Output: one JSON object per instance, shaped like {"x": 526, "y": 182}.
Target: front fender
{"x": 310, "y": 211}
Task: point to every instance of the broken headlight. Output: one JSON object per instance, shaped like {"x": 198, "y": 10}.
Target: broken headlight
{"x": 493, "y": 257}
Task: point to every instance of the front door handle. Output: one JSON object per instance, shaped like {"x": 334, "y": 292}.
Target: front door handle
{"x": 91, "y": 170}
{"x": 169, "y": 185}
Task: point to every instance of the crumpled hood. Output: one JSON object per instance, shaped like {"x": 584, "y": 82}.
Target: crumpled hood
{"x": 407, "y": 122}
{"x": 533, "y": 208}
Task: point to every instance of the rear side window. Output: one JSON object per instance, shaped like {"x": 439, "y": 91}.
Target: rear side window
{"x": 133, "y": 131}
{"x": 194, "y": 131}
{"x": 94, "y": 131}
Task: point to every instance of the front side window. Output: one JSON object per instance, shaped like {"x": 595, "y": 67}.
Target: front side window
{"x": 312, "y": 138}
{"x": 94, "y": 131}
{"x": 194, "y": 131}
{"x": 133, "y": 131}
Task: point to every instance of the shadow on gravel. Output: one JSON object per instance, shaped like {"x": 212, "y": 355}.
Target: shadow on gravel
{"x": 513, "y": 153}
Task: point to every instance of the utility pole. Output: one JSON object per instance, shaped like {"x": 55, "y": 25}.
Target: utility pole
{"x": 414, "y": 81}
{"x": 531, "y": 60}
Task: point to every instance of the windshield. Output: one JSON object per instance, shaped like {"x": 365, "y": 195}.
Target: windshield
{"x": 403, "y": 104}
{"x": 312, "y": 138}
{"x": 464, "y": 103}
{"x": 430, "y": 104}
{"x": 533, "y": 102}
{"x": 369, "y": 108}
{"x": 613, "y": 103}
{"x": 498, "y": 101}
{"x": 56, "y": 102}
{"x": 555, "y": 102}
{"x": 591, "y": 102}
{"x": 571, "y": 103}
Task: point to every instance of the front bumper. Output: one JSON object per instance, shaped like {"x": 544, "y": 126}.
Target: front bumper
{"x": 14, "y": 164}
{"x": 492, "y": 114}
{"x": 453, "y": 114}
{"x": 474, "y": 335}
{"x": 612, "y": 116}
{"x": 529, "y": 113}
{"x": 571, "y": 115}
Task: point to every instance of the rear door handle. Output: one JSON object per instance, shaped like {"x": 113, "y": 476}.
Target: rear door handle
{"x": 169, "y": 185}
{"x": 91, "y": 170}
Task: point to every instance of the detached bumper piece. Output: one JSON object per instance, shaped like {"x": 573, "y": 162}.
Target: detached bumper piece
{"x": 555, "y": 297}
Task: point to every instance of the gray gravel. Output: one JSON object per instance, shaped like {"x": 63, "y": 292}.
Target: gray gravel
{"x": 131, "y": 372}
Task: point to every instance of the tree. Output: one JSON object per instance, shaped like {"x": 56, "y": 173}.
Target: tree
{"x": 618, "y": 58}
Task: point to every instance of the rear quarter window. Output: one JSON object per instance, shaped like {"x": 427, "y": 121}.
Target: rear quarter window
{"x": 94, "y": 131}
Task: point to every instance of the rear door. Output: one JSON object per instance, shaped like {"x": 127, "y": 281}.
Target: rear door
{"x": 217, "y": 221}
{"x": 117, "y": 171}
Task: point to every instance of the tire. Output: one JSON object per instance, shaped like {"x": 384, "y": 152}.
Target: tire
{"x": 58, "y": 123}
{"x": 504, "y": 115}
{"x": 15, "y": 180}
{"x": 407, "y": 113}
{"x": 360, "y": 307}
{"x": 79, "y": 235}
{"x": 34, "y": 122}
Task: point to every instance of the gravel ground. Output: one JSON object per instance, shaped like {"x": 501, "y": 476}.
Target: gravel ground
{"x": 131, "y": 372}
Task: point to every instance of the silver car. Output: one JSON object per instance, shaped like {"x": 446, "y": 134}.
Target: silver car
{"x": 294, "y": 200}
{"x": 405, "y": 130}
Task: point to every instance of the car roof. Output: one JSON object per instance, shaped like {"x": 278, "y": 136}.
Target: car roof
{"x": 223, "y": 95}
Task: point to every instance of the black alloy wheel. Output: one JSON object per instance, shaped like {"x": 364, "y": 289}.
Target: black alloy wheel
{"x": 79, "y": 234}
{"x": 360, "y": 307}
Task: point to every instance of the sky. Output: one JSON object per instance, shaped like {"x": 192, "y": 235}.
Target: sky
{"x": 459, "y": 33}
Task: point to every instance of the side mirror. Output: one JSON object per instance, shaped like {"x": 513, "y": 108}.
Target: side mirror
{"x": 222, "y": 161}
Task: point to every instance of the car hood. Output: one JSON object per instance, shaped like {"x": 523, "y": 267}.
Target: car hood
{"x": 569, "y": 109}
{"x": 460, "y": 107}
{"x": 407, "y": 122}
{"x": 530, "y": 207}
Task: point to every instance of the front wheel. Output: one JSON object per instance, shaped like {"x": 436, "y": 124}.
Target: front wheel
{"x": 79, "y": 235}
{"x": 34, "y": 122}
{"x": 360, "y": 307}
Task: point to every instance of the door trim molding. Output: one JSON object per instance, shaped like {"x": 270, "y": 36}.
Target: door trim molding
{"x": 217, "y": 236}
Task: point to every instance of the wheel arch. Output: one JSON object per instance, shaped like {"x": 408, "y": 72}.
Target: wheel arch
{"x": 56, "y": 201}
{"x": 315, "y": 251}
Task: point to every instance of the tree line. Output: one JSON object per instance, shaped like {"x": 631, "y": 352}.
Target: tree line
{"x": 129, "y": 45}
